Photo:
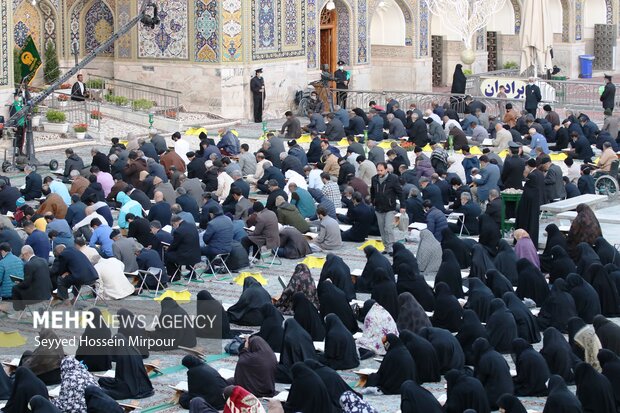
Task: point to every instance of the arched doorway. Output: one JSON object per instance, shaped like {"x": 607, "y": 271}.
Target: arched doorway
{"x": 388, "y": 26}
{"x": 328, "y": 38}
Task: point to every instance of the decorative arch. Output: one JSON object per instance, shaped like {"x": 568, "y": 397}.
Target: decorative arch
{"x": 407, "y": 13}
{"x": 345, "y": 30}
{"x": 566, "y": 12}
{"x": 27, "y": 21}
{"x": 98, "y": 27}
{"x": 50, "y": 23}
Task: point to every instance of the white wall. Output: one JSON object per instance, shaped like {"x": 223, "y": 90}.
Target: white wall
{"x": 438, "y": 29}
{"x": 595, "y": 12}
{"x": 387, "y": 27}
{"x": 504, "y": 20}
{"x": 556, "y": 14}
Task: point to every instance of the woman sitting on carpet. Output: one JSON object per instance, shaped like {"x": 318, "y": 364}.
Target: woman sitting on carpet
{"x": 256, "y": 367}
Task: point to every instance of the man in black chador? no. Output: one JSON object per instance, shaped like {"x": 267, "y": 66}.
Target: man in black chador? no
{"x": 257, "y": 86}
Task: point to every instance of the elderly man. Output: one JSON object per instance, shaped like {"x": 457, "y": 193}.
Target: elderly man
{"x": 302, "y": 199}
{"x": 554, "y": 184}
{"x": 471, "y": 211}
{"x": 376, "y": 154}
{"x": 334, "y": 131}
{"x": 502, "y": 138}
{"x": 37, "y": 284}
{"x": 291, "y": 128}
{"x": 331, "y": 190}
{"x": 124, "y": 250}
{"x": 289, "y": 215}
{"x": 478, "y": 133}
{"x": 32, "y": 190}
{"x": 537, "y": 141}
{"x": 397, "y": 129}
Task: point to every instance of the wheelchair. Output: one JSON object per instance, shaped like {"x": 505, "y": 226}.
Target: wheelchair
{"x": 607, "y": 184}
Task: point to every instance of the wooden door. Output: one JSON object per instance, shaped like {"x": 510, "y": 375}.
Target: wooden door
{"x": 329, "y": 46}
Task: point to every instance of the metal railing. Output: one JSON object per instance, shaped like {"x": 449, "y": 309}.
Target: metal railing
{"x": 135, "y": 96}
{"x": 88, "y": 111}
{"x": 424, "y": 100}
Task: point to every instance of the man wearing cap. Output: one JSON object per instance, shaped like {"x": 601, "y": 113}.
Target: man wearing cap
{"x": 551, "y": 116}
{"x": 554, "y": 185}
{"x": 608, "y": 96}
{"x": 341, "y": 77}
{"x": 257, "y": 86}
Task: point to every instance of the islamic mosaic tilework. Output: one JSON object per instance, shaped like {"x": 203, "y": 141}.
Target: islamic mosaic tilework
{"x": 232, "y": 20}
{"x": 408, "y": 22}
{"x": 423, "y": 29}
{"x": 16, "y": 3}
{"x": 264, "y": 22}
{"x": 123, "y": 44}
{"x": 609, "y": 10}
{"x": 27, "y": 21}
{"x": 206, "y": 25}
{"x": 516, "y": 6}
{"x": 278, "y": 28}
{"x": 98, "y": 27}
{"x": 4, "y": 42}
{"x": 362, "y": 32}
{"x": 49, "y": 23}
{"x": 291, "y": 14}
{"x": 343, "y": 32}
{"x": 565, "y": 21}
{"x": 311, "y": 45}
{"x": 480, "y": 39}
{"x": 75, "y": 24}
{"x": 169, "y": 40}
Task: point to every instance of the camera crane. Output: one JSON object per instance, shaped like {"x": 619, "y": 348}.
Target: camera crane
{"x": 148, "y": 20}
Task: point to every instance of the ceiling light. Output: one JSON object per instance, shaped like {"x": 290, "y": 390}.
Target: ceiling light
{"x": 330, "y": 5}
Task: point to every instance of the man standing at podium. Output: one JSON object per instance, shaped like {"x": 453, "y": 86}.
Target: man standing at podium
{"x": 257, "y": 86}
{"x": 78, "y": 90}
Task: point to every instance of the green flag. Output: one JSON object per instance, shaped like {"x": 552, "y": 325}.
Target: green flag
{"x": 29, "y": 59}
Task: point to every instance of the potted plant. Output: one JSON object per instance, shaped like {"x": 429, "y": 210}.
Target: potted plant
{"x": 56, "y": 121}
{"x": 62, "y": 100}
{"x": 80, "y": 130}
{"x": 141, "y": 104}
{"x": 96, "y": 116}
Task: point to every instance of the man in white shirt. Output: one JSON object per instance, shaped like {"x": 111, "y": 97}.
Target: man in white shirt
{"x": 181, "y": 147}
{"x": 223, "y": 184}
{"x": 430, "y": 114}
{"x": 314, "y": 177}
{"x": 78, "y": 90}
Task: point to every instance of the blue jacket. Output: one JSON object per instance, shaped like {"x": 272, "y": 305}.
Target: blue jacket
{"x": 9, "y": 265}
{"x": 40, "y": 244}
{"x": 128, "y": 206}
{"x": 468, "y": 165}
{"x": 343, "y": 116}
{"x": 65, "y": 236}
{"x": 219, "y": 235}
{"x": 436, "y": 222}
{"x": 102, "y": 236}
{"x": 75, "y": 213}
{"x": 490, "y": 177}
{"x": 229, "y": 143}
{"x": 305, "y": 205}
{"x": 375, "y": 128}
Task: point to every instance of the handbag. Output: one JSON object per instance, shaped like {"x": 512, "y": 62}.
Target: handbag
{"x": 235, "y": 346}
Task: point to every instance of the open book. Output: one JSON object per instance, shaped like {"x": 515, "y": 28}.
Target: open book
{"x": 180, "y": 386}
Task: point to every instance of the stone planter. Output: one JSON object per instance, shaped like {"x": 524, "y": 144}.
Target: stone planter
{"x": 35, "y": 121}
{"x": 56, "y": 127}
{"x": 62, "y": 103}
{"x": 80, "y": 135}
